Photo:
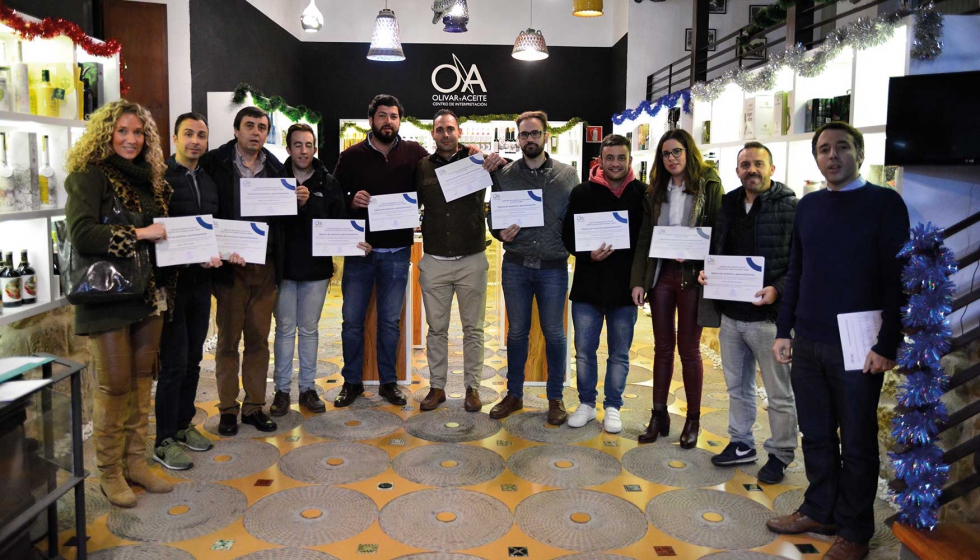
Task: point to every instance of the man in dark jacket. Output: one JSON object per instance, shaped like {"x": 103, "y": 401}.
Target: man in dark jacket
{"x": 246, "y": 293}
{"x": 305, "y": 278}
{"x": 195, "y": 194}
{"x": 601, "y": 286}
{"x": 756, "y": 219}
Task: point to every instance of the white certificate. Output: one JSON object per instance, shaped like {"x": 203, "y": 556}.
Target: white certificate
{"x": 394, "y": 211}
{"x": 676, "y": 242}
{"x": 522, "y": 208}
{"x": 190, "y": 240}
{"x": 463, "y": 177}
{"x": 858, "y": 333}
{"x": 337, "y": 237}
{"x": 733, "y": 278}
{"x": 595, "y": 228}
{"x": 268, "y": 197}
{"x": 248, "y": 239}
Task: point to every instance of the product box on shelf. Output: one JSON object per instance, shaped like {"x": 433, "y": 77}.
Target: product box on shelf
{"x": 757, "y": 117}
{"x": 841, "y": 108}
{"x": 819, "y": 111}
{"x": 782, "y": 113}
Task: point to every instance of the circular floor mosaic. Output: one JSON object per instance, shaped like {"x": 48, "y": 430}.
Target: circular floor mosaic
{"x": 790, "y": 501}
{"x": 533, "y": 426}
{"x": 96, "y": 505}
{"x": 445, "y": 519}
{"x": 335, "y": 462}
{"x": 594, "y": 556}
{"x": 714, "y": 395}
{"x": 284, "y": 424}
{"x": 672, "y": 466}
{"x": 207, "y": 390}
{"x": 456, "y": 370}
{"x": 270, "y": 392}
{"x": 795, "y": 472}
{"x": 456, "y": 395}
{"x": 635, "y": 423}
{"x": 711, "y": 518}
{"x": 200, "y": 415}
{"x": 192, "y": 510}
{"x": 439, "y": 556}
{"x": 717, "y": 423}
{"x": 451, "y": 426}
{"x": 310, "y": 516}
{"x": 141, "y": 552}
{"x": 580, "y": 520}
{"x": 565, "y": 466}
{"x": 332, "y": 349}
{"x": 230, "y": 459}
{"x": 448, "y": 464}
{"x": 741, "y": 555}
{"x": 353, "y": 425}
{"x": 288, "y": 554}
{"x": 537, "y": 397}
{"x": 635, "y": 397}
{"x": 368, "y": 399}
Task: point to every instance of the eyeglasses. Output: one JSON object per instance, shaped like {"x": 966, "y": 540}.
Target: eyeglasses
{"x": 533, "y": 134}
{"x": 676, "y": 152}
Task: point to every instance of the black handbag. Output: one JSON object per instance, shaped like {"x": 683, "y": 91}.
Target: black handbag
{"x": 93, "y": 279}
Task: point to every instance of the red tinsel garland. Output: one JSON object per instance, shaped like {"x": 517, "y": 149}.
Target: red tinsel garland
{"x": 53, "y": 27}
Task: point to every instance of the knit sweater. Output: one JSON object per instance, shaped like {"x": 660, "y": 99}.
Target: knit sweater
{"x": 844, "y": 260}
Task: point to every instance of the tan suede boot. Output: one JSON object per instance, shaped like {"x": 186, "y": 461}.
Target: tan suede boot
{"x": 137, "y": 425}
{"x": 109, "y": 415}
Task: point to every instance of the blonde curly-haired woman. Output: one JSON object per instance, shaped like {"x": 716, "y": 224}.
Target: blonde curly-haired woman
{"x": 119, "y": 159}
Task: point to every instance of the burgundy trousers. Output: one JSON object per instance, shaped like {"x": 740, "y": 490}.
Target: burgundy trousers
{"x": 668, "y": 299}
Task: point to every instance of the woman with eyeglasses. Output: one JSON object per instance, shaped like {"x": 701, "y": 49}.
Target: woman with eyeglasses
{"x": 683, "y": 192}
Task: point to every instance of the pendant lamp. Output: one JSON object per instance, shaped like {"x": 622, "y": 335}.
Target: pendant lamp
{"x": 386, "y": 46}
{"x": 587, "y": 8}
{"x": 312, "y": 19}
{"x": 456, "y": 18}
{"x": 530, "y": 43}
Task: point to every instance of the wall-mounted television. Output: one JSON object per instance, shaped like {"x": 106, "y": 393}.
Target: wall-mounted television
{"x": 933, "y": 119}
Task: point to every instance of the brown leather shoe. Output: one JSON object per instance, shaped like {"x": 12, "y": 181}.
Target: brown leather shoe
{"x": 506, "y": 407}
{"x": 844, "y": 549}
{"x": 433, "y": 398}
{"x": 659, "y": 424}
{"x": 689, "y": 435}
{"x": 556, "y": 412}
{"x": 796, "y": 523}
{"x": 472, "y": 402}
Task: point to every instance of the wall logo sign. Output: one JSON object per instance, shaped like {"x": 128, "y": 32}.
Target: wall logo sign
{"x": 457, "y": 86}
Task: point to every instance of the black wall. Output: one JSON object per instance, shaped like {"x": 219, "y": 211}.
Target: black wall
{"x": 233, "y": 42}
{"x": 619, "y": 71}
{"x": 75, "y": 11}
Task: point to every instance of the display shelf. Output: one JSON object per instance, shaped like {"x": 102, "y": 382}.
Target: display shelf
{"x": 9, "y": 118}
{"x": 32, "y": 214}
{"x": 23, "y": 312}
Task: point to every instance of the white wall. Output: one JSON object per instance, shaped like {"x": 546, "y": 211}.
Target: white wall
{"x": 492, "y": 22}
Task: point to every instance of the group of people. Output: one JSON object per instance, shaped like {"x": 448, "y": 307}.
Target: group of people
{"x": 832, "y": 252}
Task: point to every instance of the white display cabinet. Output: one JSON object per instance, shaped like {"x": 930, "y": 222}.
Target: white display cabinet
{"x": 863, "y": 74}
{"x": 30, "y": 228}
{"x": 656, "y": 126}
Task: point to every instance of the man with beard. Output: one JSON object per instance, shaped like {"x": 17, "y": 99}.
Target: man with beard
{"x": 601, "y": 288}
{"x": 454, "y": 239}
{"x": 535, "y": 266}
{"x": 756, "y": 220}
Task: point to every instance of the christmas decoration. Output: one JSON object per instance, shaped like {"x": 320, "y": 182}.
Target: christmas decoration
{"x": 484, "y": 119}
{"x": 919, "y": 468}
{"x": 277, "y": 104}
{"x": 54, "y": 27}
{"x": 861, "y": 34}
{"x": 668, "y": 101}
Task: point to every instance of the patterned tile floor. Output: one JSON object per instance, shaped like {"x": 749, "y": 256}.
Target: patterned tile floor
{"x": 385, "y": 482}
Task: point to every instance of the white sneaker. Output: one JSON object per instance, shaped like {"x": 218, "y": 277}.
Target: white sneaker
{"x": 583, "y": 413}
{"x": 611, "y": 422}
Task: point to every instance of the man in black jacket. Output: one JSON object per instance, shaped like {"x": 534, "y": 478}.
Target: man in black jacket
{"x": 246, "y": 293}
{"x": 194, "y": 194}
{"x": 756, "y": 219}
{"x": 305, "y": 278}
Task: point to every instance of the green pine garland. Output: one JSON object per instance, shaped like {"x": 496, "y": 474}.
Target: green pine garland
{"x": 274, "y": 104}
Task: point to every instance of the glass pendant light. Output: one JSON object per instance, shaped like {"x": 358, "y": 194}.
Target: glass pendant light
{"x": 587, "y": 8}
{"x": 312, "y": 19}
{"x": 530, "y": 44}
{"x": 457, "y": 17}
{"x": 386, "y": 45}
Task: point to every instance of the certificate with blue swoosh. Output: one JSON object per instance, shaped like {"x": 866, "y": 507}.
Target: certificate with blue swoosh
{"x": 676, "y": 242}
{"x": 733, "y": 278}
{"x": 594, "y": 229}
{"x": 463, "y": 177}
{"x": 268, "y": 197}
{"x": 248, "y": 239}
{"x": 190, "y": 240}
{"x": 338, "y": 238}
{"x": 393, "y": 211}
{"x": 522, "y": 208}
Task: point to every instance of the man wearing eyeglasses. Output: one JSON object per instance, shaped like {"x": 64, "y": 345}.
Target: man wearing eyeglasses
{"x": 535, "y": 265}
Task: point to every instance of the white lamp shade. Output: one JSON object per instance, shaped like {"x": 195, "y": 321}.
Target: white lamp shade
{"x": 386, "y": 46}
{"x": 530, "y": 45}
{"x": 312, "y": 19}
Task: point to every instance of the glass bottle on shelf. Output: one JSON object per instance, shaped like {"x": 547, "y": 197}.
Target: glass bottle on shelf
{"x": 6, "y": 178}
{"x": 10, "y": 283}
{"x": 5, "y": 92}
{"x": 28, "y": 279}
{"x": 495, "y": 148}
{"x": 47, "y": 102}
{"x": 19, "y": 82}
{"x": 554, "y": 143}
{"x": 46, "y": 179}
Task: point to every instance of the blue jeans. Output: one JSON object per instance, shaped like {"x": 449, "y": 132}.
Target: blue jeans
{"x": 389, "y": 272}
{"x": 548, "y": 287}
{"x": 587, "y": 319}
{"x": 298, "y": 305}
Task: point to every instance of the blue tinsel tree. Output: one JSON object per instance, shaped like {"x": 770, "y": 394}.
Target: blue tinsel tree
{"x": 918, "y": 460}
